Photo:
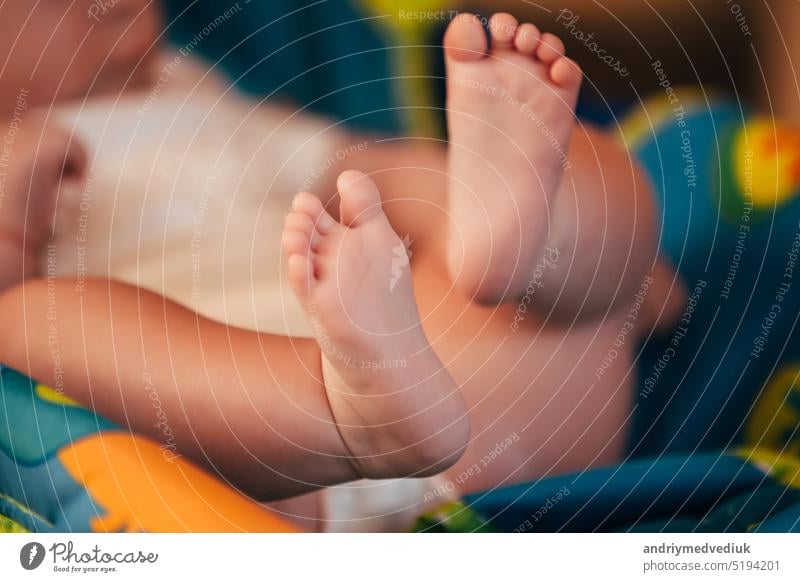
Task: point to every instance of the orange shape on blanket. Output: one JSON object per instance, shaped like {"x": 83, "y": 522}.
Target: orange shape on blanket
{"x": 141, "y": 490}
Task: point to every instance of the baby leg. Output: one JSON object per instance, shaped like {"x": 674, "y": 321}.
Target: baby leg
{"x": 276, "y": 416}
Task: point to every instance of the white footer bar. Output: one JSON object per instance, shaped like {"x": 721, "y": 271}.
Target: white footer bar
{"x": 353, "y": 558}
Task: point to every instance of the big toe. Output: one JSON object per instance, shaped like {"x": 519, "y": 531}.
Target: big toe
{"x": 465, "y": 39}
{"x": 360, "y": 200}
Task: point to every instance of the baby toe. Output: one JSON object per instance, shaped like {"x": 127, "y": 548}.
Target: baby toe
{"x": 302, "y": 222}
{"x": 503, "y": 28}
{"x": 465, "y": 39}
{"x": 566, "y": 72}
{"x": 311, "y": 206}
{"x": 360, "y": 200}
{"x": 300, "y": 273}
{"x": 527, "y": 39}
{"x": 295, "y": 242}
{"x": 550, "y": 48}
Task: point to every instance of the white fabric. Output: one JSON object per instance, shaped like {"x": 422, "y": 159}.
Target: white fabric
{"x": 393, "y": 505}
{"x": 186, "y": 195}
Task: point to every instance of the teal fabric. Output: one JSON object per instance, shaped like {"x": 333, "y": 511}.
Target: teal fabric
{"x": 701, "y": 399}
{"x": 31, "y": 429}
{"x": 44, "y": 498}
{"x": 787, "y": 521}
{"x": 324, "y": 55}
{"x": 618, "y": 497}
{"x": 35, "y": 490}
{"x": 695, "y": 493}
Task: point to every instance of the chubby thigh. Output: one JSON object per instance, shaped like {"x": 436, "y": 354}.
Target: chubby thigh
{"x": 544, "y": 398}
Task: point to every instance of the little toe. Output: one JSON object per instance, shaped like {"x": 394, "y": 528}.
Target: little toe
{"x": 503, "y": 28}
{"x": 360, "y": 199}
{"x": 304, "y": 223}
{"x": 311, "y": 206}
{"x": 465, "y": 39}
{"x": 550, "y": 48}
{"x": 300, "y": 273}
{"x": 527, "y": 39}
{"x": 295, "y": 242}
{"x": 566, "y": 72}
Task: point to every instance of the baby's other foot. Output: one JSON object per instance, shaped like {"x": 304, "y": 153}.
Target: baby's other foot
{"x": 510, "y": 118}
{"x": 398, "y": 410}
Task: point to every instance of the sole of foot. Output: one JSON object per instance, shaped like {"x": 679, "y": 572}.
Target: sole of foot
{"x": 398, "y": 410}
{"x": 510, "y": 106}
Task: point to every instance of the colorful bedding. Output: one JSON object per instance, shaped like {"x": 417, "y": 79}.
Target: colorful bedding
{"x": 65, "y": 469}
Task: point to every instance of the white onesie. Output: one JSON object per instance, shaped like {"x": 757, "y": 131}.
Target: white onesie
{"x": 186, "y": 193}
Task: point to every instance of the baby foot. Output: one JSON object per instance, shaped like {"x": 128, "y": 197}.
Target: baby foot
{"x": 510, "y": 118}
{"x": 397, "y": 409}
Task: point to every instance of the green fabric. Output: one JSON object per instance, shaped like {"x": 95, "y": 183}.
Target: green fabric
{"x": 454, "y": 517}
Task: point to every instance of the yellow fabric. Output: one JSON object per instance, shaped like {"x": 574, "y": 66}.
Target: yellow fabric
{"x": 49, "y": 395}
{"x": 412, "y": 65}
{"x": 775, "y": 413}
{"x": 768, "y": 162}
{"x": 785, "y": 469}
{"x": 8, "y": 525}
{"x": 774, "y": 418}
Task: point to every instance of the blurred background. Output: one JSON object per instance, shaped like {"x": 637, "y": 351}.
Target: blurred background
{"x": 377, "y": 63}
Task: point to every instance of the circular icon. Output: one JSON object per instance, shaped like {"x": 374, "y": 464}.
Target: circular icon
{"x": 31, "y": 555}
